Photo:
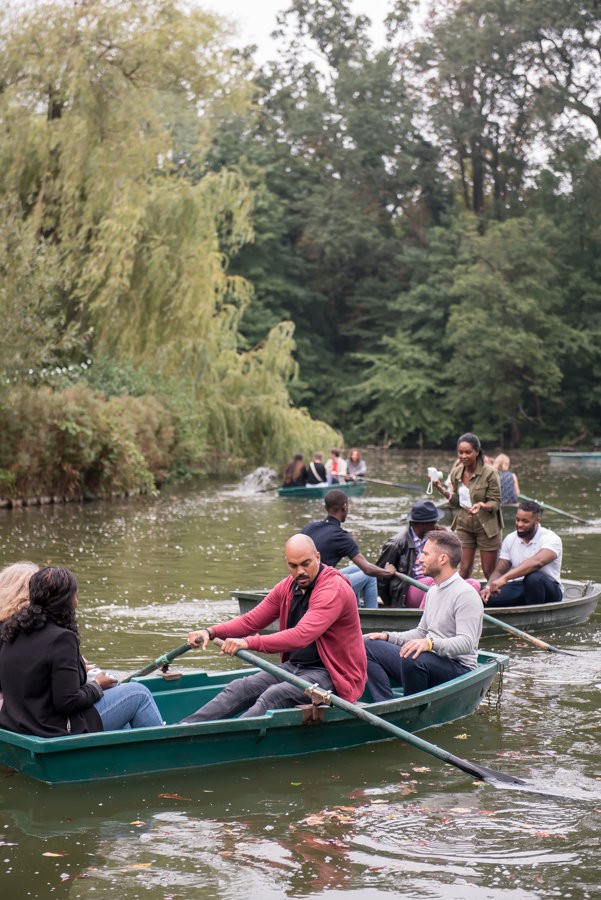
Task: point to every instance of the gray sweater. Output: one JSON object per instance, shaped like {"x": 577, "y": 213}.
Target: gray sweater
{"x": 452, "y": 618}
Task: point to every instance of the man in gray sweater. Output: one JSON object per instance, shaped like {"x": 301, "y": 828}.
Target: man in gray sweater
{"x": 444, "y": 644}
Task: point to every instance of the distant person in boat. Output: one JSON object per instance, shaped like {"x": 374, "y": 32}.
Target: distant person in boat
{"x": 475, "y": 492}
{"x": 334, "y": 543}
{"x": 510, "y": 486}
{"x": 43, "y": 676}
{"x": 355, "y": 465}
{"x": 294, "y": 473}
{"x": 529, "y": 566}
{"x": 315, "y": 472}
{"x": 445, "y": 643}
{"x": 335, "y": 467}
{"x": 319, "y": 639}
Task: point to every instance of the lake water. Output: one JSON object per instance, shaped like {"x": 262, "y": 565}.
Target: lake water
{"x": 380, "y": 820}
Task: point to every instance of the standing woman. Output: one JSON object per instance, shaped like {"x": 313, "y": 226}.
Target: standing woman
{"x": 475, "y": 492}
{"x": 43, "y": 676}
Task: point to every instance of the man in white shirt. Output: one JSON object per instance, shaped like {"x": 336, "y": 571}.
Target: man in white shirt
{"x": 529, "y": 566}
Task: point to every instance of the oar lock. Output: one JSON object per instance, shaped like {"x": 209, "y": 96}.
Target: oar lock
{"x": 319, "y": 696}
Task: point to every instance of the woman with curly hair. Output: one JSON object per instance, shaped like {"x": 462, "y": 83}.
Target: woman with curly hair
{"x": 43, "y": 675}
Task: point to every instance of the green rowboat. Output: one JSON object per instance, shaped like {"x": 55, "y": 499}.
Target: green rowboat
{"x": 281, "y": 733}
{"x": 318, "y": 491}
{"x": 578, "y": 605}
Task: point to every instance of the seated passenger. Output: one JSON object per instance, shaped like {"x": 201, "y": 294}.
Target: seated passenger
{"x": 319, "y": 640}
{"x": 335, "y": 467}
{"x": 355, "y": 465}
{"x": 529, "y": 567}
{"x": 315, "y": 472}
{"x": 510, "y": 487}
{"x": 334, "y": 542}
{"x": 14, "y": 590}
{"x": 43, "y": 676}
{"x": 445, "y": 643}
{"x": 294, "y": 473}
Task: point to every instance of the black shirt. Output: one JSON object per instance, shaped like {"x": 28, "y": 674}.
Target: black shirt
{"x": 306, "y": 657}
{"x": 331, "y": 540}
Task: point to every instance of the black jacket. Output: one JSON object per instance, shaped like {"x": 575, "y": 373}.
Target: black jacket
{"x": 43, "y": 680}
{"x": 402, "y": 553}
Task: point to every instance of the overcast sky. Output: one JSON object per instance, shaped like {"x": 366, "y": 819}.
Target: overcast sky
{"x": 256, "y": 20}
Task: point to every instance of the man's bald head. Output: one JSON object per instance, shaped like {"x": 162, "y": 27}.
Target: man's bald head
{"x": 303, "y": 559}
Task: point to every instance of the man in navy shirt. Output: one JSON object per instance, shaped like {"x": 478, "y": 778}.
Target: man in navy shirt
{"x": 334, "y": 543}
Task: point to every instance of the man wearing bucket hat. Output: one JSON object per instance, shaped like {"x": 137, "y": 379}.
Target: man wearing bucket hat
{"x": 403, "y": 551}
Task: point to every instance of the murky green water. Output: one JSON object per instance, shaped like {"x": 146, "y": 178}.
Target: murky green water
{"x": 382, "y": 819}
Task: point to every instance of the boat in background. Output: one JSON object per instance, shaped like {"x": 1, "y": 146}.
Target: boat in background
{"x": 318, "y": 491}
{"x": 579, "y": 602}
{"x": 570, "y": 460}
{"x": 280, "y": 733}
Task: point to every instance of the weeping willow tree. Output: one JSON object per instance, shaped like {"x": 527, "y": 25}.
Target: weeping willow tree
{"x": 109, "y": 109}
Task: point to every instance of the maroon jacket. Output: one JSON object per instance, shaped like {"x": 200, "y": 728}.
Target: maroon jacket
{"x": 331, "y": 620}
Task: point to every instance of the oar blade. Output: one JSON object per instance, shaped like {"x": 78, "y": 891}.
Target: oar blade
{"x": 491, "y": 776}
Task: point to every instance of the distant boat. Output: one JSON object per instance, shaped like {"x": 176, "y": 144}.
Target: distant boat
{"x": 578, "y": 605}
{"x": 318, "y": 491}
{"x": 278, "y": 734}
{"x": 567, "y": 459}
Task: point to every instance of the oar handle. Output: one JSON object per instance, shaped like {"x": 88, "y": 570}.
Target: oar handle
{"x": 562, "y": 512}
{"x": 159, "y": 662}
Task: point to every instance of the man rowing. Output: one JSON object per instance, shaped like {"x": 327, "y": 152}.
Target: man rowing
{"x": 334, "y": 542}
{"x": 319, "y": 639}
{"x": 445, "y": 643}
{"x": 529, "y": 566}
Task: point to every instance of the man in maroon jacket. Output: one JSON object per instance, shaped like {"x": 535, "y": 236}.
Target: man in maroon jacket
{"x": 320, "y": 639}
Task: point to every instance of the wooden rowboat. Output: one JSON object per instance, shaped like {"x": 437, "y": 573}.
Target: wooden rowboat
{"x": 280, "y": 733}
{"x": 318, "y": 491}
{"x": 578, "y": 605}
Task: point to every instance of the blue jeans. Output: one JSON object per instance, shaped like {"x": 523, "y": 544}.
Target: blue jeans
{"x": 362, "y": 582}
{"x": 128, "y": 706}
{"x": 534, "y": 588}
{"x": 384, "y": 662}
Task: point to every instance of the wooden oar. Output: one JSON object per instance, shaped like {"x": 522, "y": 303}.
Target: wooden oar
{"x": 492, "y": 776}
{"x": 562, "y": 512}
{"x": 523, "y": 634}
{"x": 159, "y": 662}
{"x": 415, "y": 488}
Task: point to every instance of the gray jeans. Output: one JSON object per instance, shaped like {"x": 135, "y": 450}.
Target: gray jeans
{"x": 258, "y": 693}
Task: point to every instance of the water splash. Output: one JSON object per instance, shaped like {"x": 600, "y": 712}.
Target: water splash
{"x": 260, "y": 479}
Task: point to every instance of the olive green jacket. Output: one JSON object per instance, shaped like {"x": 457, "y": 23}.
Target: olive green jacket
{"x": 484, "y": 487}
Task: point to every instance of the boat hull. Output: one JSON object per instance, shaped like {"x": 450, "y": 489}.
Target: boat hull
{"x": 579, "y": 604}
{"x": 318, "y": 491}
{"x": 281, "y": 733}
{"x": 568, "y": 460}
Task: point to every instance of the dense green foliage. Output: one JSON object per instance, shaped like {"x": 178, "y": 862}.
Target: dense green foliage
{"x": 197, "y": 257}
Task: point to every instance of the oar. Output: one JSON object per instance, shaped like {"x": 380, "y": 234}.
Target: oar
{"x": 406, "y": 487}
{"x": 523, "y": 634}
{"x": 482, "y": 772}
{"x": 562, "y": 512}
{"x": 159, "y": 662}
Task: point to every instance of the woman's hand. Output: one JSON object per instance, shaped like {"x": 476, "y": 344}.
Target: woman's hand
{"x": 199, "y": 638}
{"x": 105, "y": 681}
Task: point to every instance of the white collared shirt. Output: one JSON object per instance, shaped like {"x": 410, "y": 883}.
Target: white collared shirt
{"x": 516, "y": 551}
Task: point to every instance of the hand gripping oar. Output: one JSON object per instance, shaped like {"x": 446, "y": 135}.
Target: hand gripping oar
{"x": 561, "y": 512}
{"x": 492, "y": 776}
{"x": 415, "y": 488}
{"x": 542, "y": 645}
{"x": 161, "y": 661}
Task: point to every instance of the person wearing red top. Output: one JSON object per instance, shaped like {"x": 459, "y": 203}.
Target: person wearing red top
{"x": 319, "y": 639}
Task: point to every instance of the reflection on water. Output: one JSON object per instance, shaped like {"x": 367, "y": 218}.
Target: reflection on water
{"x": 381, "y": 819}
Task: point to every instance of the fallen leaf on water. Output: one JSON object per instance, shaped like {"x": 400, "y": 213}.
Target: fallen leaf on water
{"x": 460, "y": 809}
{"x": 405, "y": 774}
{"x": 421, "y": 768}
{"x": 346, "y": 808}
{"x": 461, "y": 737}
{"x": 296, "y": 783}
{"x": 137, "y": 822}
{"x": 376, "y": 802}
{"x": 60, "y": 853}
{"x": 140, "y": 866}
{"x": 174, "y": 797}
